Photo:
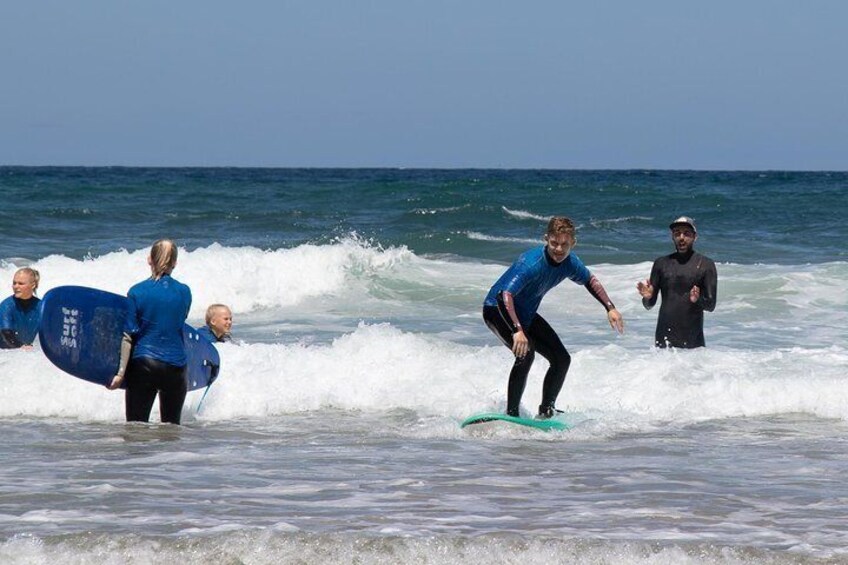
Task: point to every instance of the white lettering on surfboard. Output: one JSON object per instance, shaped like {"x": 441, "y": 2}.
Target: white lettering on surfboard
{"x": 70, "y": 327}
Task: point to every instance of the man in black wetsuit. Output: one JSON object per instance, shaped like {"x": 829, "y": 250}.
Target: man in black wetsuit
{"x": 687, "y": 282}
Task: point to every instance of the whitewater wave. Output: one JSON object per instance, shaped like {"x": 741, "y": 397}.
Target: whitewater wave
{"x": 299, "y": 293}
{"x": 379, "y": 368}
{"x": 246, "y": 278}
{"x": 250, "y": 278}
{"x": 283, "y": 544}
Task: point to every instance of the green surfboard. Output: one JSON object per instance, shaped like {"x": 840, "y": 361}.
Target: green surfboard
{"x": 546, "y": 425}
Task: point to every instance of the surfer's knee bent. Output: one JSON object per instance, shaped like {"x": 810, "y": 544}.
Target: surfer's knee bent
{"x": 563, "y": 360}
{"x": 560, "y": 361}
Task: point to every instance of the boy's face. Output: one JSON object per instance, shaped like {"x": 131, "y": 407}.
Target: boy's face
{"x": 222, "y": 321}
{"x": 23, "y": 286}
{"x": 559, "y": 246}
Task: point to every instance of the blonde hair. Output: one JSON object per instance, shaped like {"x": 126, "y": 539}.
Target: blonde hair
{"x": 163, "y": 258}
{"x": 33, "y": 274}
{"x": 210, "y": 312}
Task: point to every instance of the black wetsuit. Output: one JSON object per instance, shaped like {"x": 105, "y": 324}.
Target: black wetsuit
{"x": 543, "y": 339}
{"x": 145, "y": 378}
{"x": 680, "y": 322}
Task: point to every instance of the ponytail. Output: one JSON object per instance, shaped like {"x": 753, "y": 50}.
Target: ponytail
{"x": 163, "y": 258}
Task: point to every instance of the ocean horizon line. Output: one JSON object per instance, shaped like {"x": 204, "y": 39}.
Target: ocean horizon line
{"x": 423, "y": 168}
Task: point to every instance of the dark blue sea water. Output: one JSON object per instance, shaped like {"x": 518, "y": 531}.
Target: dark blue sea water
{"x": 744, "y": 217}
{"x": 332, "y": 434}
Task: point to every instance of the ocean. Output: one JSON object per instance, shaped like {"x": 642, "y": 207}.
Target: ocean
{"x": 332, "y": 435}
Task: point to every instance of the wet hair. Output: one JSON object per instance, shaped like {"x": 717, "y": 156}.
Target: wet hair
{"x": 210, "y": 312}
{"x": 561, "y": 224}
{"x": 33, "y": 274}
{"x": 163, "y": 258}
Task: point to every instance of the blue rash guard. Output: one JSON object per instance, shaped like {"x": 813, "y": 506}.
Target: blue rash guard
{"x": 531, "y": 277}
{"x": 207, "y": 333}
{"x": 20, "y": 318}
{"x": 155, "y": 318}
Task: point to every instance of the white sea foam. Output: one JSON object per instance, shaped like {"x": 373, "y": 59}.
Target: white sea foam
{"x": 379, "y": 368}
{"x": 227, "y": 544}
{"x": 433, "y": 211}
{"x": 483, "y": 237}
{"x": 608, "y": 222}
{"x": 252, "y": 279}
{"x": 524, "y": 215}
{"x": 246, "y": 278}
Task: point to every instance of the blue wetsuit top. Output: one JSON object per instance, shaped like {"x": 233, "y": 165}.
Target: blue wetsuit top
{"x": 155, "y": 318}
{"x": 21, "y": 317}
{"x": 207, "y": 332}
{"x": 531, "y": 277}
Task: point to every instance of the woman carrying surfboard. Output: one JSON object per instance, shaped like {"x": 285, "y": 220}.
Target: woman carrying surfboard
{"x": 510, "y": 311}
{"x": 153, "y": 357}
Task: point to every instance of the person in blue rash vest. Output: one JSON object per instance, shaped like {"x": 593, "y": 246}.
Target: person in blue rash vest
{"x": 19, "y": 313}
{"x": 219, "y": 322}
{"x": 510, "y": 311}
{"x": 153, "y": 357}
{"x": 687, "y": 282}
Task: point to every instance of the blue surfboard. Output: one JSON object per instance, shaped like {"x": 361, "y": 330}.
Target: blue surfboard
{"x": 81, "y": 331}
{"x": 546, "y": 425}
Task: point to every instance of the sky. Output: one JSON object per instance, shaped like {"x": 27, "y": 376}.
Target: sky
{"x": 731, "y": 85}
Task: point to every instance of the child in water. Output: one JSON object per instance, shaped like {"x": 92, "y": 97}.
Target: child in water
{"x": 219, "y": 323}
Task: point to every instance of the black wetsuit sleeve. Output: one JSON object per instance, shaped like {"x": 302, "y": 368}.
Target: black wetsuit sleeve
{"x": 649, "y": 303}
{"x": 9, "y": 340}
{"x": 709, "y": 288}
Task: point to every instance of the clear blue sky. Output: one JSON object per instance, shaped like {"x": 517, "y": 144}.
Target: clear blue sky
{"x": 758, "y": 84}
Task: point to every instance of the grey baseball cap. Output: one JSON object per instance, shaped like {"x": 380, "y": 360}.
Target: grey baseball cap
{"x": 684, "y": 221}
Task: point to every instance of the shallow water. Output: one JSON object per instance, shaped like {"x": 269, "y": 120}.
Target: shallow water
{"x": 764, "y": 484}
